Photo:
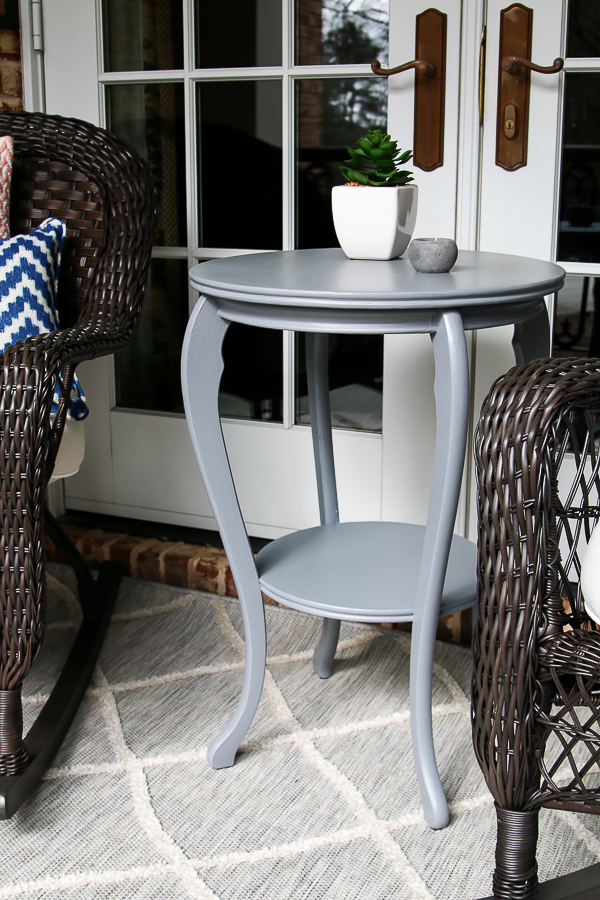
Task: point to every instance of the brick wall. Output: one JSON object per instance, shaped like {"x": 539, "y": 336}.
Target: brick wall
{"x": 11, "y": 74}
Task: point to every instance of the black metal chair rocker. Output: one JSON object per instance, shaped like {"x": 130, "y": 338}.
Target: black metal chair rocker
{"x": 81, "y": 174}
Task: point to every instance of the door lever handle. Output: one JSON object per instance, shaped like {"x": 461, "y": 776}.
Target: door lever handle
{"x": 512, "y": 63}
{"x": 421, "y": 65}
{"x": 430, "y": 87}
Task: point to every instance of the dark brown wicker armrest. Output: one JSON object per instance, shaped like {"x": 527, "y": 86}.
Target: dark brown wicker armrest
{"x": 526, "y": 424}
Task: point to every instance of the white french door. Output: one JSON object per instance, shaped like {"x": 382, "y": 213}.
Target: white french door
{"x": 139, "y": 461}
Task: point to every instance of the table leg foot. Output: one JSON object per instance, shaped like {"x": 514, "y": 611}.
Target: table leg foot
{"x": 222, "y": 750}
{"x": 435, "y": 806}
{"x": 325, "y": 652}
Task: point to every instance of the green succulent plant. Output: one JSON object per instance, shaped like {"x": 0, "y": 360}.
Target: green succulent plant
{"x": 376, "y": 161}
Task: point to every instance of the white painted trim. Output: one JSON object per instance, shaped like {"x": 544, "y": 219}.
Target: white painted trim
{"x": 99, "y": 38}
{"x": 192, "y": 150}
{"x": 170, "y": 518}
{"x": 100, "y": 64}
{"x": 573, "y": 64}
{"x": 467, "y": 195}
{"x": 32, "y": 64}
{"x": 558, "y": 152}
{"x": 223, "y": 252}
{"x": 247, "y": 423}
{"x": 289, "y": 370}
{"x": 144, "y": 76}
{"x": 337, "y": 71}
{"x": 287, "y": 136}
{"x": 189, "y": 46}
{"x": 580, "y": 268}
{"x": 467, "y": 201}
{"x": 260, "y": 73}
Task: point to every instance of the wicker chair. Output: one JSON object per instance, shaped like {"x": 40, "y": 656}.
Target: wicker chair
{"x": 536, "y": 682}
{"x": 104, "y": 191}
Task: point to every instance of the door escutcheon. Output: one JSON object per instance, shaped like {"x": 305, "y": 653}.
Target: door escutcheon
{"x": 430, "y": 88}
{"x": 514, "y": 77}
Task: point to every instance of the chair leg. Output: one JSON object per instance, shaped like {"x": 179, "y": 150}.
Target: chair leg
{"x": 515, "y": 877}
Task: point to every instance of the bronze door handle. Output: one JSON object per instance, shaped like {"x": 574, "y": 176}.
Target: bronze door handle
{"x": 514, "y": 82}
{"x": 430, "y": 87}
{"x": 421, "y": 65}
{"x": 512, "y": 63}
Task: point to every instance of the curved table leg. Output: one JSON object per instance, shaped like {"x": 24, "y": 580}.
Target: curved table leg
{"x": 452, "y": 408}
{"x": 201, "y": 369}
{"x": 317, "y": 346}
{"x": 531, "y": 339}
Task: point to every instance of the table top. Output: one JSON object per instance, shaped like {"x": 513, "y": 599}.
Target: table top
{"x": 326, "y": 277}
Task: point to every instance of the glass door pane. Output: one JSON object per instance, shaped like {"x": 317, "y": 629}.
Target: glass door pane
{"x": 151, "y": 118}
{"x": 579, "y": 228}
{"x": 583, "y": 28}
{"x": 142, "y": 35}
{"x": 252, "y": 381}
{"x": 240, "y": 183}
{"x": 331, "y": 113}
{"x": 341, "y": 31}
{"x": 238, "y": 33}
{"x": 147, "y": 371}
{"x": 355, "y": 381}
{"x": 576, "y": 327}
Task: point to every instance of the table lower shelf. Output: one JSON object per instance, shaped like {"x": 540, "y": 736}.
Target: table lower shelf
{"x": 361, "y": 571}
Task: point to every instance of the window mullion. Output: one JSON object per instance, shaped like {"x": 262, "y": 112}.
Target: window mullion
{"x": 288, "y": 171}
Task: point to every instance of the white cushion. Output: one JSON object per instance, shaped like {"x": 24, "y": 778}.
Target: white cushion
{"x": 71, "y": 450}
{"x": 590, "y": 576}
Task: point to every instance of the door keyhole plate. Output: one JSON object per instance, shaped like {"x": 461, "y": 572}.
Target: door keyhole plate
{"x": 512, "y": 121}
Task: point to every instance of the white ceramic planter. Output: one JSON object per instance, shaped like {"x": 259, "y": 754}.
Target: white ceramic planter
{"x": 374, "y": 222}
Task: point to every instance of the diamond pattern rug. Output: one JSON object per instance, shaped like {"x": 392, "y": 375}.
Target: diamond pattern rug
{"x": 322, "y": 803}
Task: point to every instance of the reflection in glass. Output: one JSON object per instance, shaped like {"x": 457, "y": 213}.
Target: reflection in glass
{"x": 237, "y": 33}
{"x": 341, "y": 31}
{"x": 355, "y": 381}
{"x": 240, "y": 164}
{"x": 151, "y": 118}
{"x": 330, "y": 115}
{"x": 583, "y": 28}
{"x": 577, "y": 318}
{"x": 579, "y": 227}
{"x": 147, "y": 371}
{"x": 252, "y": 381}
{"x": 142, "y": 35}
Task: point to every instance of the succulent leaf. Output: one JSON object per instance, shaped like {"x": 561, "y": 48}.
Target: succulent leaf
{"x": 375, "y": 159}
{"x": 358, "y": 154}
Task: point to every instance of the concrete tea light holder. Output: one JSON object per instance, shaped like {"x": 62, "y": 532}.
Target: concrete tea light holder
{"x": 432, "y": 254}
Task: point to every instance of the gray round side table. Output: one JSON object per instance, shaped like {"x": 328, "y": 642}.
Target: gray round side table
{"x": 422, "y": 572}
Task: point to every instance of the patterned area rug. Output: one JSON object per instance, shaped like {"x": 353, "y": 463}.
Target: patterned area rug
{"x": 322, "y": 804}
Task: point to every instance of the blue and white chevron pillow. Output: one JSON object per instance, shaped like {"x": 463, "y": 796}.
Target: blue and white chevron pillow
{"x": 29, "y": 268}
